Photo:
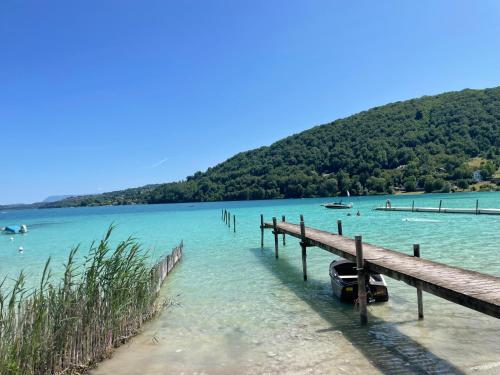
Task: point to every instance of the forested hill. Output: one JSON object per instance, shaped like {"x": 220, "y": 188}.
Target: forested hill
{"x": 424, "y": 143}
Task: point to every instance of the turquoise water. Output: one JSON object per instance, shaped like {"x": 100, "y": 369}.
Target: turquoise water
{"x": 238, "y": 310}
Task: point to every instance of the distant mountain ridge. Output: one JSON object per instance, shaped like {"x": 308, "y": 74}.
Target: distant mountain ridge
{"x": 417, "y": 144}
{"x": 121, "y": 197}
{"x": 55, "y": 198}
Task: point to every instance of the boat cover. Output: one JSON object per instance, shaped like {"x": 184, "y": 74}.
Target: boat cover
{"x": 13, "y": 229}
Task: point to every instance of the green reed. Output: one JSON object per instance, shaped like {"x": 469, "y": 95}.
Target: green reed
{"x": 69, "y": 324}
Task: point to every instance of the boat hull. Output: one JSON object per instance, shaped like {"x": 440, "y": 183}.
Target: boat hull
{"x": 337, "y": 206}
{"x": 344, "y": 282}
{"x": 12, "y": 229}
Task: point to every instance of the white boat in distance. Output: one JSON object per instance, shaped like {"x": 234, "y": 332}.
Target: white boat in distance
{"x": 339, "y": 205}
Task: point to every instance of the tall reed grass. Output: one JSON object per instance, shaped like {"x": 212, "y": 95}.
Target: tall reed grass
{"x": 69, "y": 324}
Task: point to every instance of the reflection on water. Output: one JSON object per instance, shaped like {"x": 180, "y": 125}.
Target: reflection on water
{"x": 240, "y": 311}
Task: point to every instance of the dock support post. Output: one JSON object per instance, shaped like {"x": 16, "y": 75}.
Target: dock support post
{"x": 261, "y": 230}
{"x": 304, "y": 249}
{"x": 416, "y": 254}
{"x": 440, "y": 202}
{"x": 222, "y": 215}
{"x": 283, "y": 220}
{"x": 339, "y": 227}
{"x": 275, "y": 231}
{"x": 301, "y": 217}
{"x": 477, "y": 206}
{"x": 229, "y": 220}
{"x": 412, "y": 206}
{"x": 363, "y": 313}
{"x": 225, "y": 216}
{"x": 234, "y": 224}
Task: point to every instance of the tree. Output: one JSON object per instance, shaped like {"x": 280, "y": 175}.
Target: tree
{"x": 488, "y": 170}
{"x": 438, "y": 184}
{"x": 410, "y": 184}
{"x": 428, "y": 183}
{"x": 376, "y": 184}
{"x": 446, "y": 187}
{"x": 331, "y": 186}
{"x": 344, "y": 182}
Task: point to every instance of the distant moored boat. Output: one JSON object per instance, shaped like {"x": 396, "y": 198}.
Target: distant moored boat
{"x": 337, "y": 205}
{"x": 14, "y": 229}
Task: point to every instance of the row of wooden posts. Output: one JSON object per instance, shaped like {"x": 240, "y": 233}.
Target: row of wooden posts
{"x": 226, "y": 218}
{"x": 360, "y": 263}
{"x": 160, "y": 270}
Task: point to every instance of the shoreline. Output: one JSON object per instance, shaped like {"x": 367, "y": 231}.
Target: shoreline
{"x": 7, "y": 208}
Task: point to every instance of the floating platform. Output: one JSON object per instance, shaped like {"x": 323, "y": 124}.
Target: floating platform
{"x": 443, "y": 210}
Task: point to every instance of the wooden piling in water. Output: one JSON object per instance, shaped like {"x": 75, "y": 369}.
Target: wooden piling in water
{"x": 234, "y": 224}
{"x": 477, "y": 206}
{"x": 412, "y": 206}
{"x": 440, "y": 203}
{"x": 275, "y": 231}
{"x": 283, "y": 220}
{"x": 229, "y": 220}
{"x": 416, "y": 254}
{"x": 339, "y": 227}
{"x": 261, "y": 230}
{"x": 363, "y": 313}
{"x": 303, "y": 245}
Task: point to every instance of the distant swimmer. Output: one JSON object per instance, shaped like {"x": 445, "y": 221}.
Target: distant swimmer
{"x": 21, "y": 249}
{"x": 348, "y": 214}
{"x": 388, "y": 203}
{"x": 358, "y": 213}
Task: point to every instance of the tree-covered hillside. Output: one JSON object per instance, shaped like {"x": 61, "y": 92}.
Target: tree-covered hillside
{"x": 423, "y": 143}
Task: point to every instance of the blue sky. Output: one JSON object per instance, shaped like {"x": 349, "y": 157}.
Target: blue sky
{"x": 103, "y": 95}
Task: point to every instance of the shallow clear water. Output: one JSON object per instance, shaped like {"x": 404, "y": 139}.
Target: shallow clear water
{"x": 238, "y": 310}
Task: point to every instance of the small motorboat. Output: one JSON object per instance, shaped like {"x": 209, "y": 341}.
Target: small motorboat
{"x": 337, "y": 205}
{"x": 344, "y": 278}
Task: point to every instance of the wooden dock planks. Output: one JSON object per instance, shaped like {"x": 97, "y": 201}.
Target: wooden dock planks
{"x": 472, "y": 289}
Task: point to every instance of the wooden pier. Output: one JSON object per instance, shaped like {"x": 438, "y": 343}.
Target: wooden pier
{"x": 471, "y": 289}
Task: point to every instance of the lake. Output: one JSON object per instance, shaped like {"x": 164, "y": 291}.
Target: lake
{"x": 236, "y": 309}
